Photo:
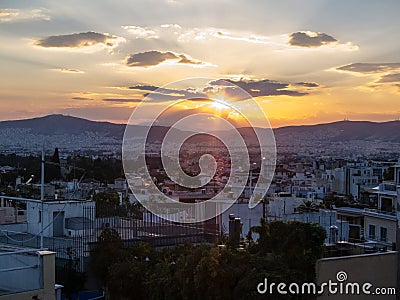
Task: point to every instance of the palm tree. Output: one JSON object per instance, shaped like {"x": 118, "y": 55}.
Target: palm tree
{"x": 307, "y": 206}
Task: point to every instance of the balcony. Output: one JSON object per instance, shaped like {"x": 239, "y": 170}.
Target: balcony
{"x": 26, "y": 273}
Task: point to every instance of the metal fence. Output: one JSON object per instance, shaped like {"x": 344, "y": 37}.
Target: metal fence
{"x": 153, "y": 230}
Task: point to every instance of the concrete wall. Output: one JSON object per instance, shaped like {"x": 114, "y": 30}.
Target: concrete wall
{"x": 379, "y": 222}
{"x": 249, "y": 217}
{"x": 17, "y": 227}
{"x": 280, "y": 206}
{"x": 379, "y": 269}
{"x": 11, "y": 280}
{"x": 27, "y": 283}
{"x": 71, "y": 210}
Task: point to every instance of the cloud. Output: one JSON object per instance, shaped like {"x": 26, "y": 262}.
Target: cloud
{"x": 66, "y": 70}
{"x": 153, "y": 58}
{"x": 386, "y": 72}
{"x": 9, "y": 15}
{"x": 204, "y": 34}
{"x": 141, "y": 32}
{"x": 184, "y": 59}
{"x": 81, "y": 98}
{"x": 310, "y": 39}
{"x": 122, "y": 100}
{"x": 79, "y": 40}
{"x": 257, "y": 88}
{"x": 165, "y": 94}
{"x": 368, "y": 68}
{"x": 289, "y": 41}
{"x": 145, "y": 87}
{"x": 395, "y": 77}
{"x": 307, "y": 84}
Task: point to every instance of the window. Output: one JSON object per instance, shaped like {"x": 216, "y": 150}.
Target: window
{"x": 371, "y": 231}
{"x": 40, "y": 216}
{"x": 383, "y": 234}
{"x": 386, "y": 204}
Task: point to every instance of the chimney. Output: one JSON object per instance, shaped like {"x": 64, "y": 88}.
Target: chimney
{"x": 235, "y": 229}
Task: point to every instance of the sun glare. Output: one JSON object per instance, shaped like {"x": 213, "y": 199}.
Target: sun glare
{"x": 220, "y": 105}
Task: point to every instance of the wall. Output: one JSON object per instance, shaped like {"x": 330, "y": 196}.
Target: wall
{"x": 249, "y": 217}
{"x": 41, "y": 282}
{"x": 72, "y": 209}
{"x": 379, "y": 269}
{"x": 379, "y": 222}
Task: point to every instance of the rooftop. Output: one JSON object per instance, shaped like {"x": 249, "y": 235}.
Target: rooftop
{"x": 367, "y": 212}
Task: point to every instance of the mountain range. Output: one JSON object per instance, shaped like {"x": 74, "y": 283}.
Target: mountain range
{"x": 342, "y": 131}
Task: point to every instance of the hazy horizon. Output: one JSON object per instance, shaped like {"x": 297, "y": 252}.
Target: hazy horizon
{"x": 144, "y": 124}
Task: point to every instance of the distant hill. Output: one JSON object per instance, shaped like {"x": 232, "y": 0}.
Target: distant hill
{"x": 344, "y": 131}
{"x": 61, "y": 124}
{"x": 55, "y": 126}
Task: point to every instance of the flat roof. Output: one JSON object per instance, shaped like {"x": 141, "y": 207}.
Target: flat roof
{"x": 367, "y": 212}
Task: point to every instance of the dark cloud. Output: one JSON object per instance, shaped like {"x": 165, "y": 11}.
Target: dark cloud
{"x": 166, "y": 94}
{"x": 307, "y": 84}
{"x": 66, "y": 70}
{"x": 78, "y": 40}
{"x": 310, "y": 39}
{"x": 184, "y": 59}
{"x": 144, "y": 87}
{"x": 395, "y": 77}
{"x": 122, "y": 100}
{"x": 370, "y": 67}
{"x": 81, "y": 98}
{"x": 257, "y": 88}
{"x": 153, "y": 58}
{"x": 152, "y": 88}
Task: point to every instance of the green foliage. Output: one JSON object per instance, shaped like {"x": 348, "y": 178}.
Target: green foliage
{"x": 26, "y": 166}
{"x": 308, "y": 206}
{"x": 103, "y": 170}
{"x": 298, "y": 245}
{"x": 284, "y": 252}
{"x": 69, "y": 276}
{"x": 331, "y": 200}
{"x": 107, "y": 203}
{"x": 108, "y": 252}
{"x": 53, "y": 170}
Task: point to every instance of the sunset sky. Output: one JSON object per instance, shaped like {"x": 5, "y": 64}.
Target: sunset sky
{"x": 306, "y": 62}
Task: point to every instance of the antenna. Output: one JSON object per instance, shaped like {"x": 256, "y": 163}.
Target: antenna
{"x": 42, "y": 198}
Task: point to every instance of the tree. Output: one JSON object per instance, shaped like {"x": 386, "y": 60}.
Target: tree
{"x": 297, "y": 244}
{"x": 307, "y": 206}
{"x": 107, "y": 203}
{"x": 53, "y": 170}
{"x": 285, "y": 252}
{"x": 108, "y": 251}
{"x": 69, "y": 275}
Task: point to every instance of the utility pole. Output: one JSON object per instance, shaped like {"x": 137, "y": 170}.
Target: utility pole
{"x": 42, "y": 199}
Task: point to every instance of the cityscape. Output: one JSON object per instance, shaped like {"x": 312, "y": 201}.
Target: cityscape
{"x": 174, "y": 150}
